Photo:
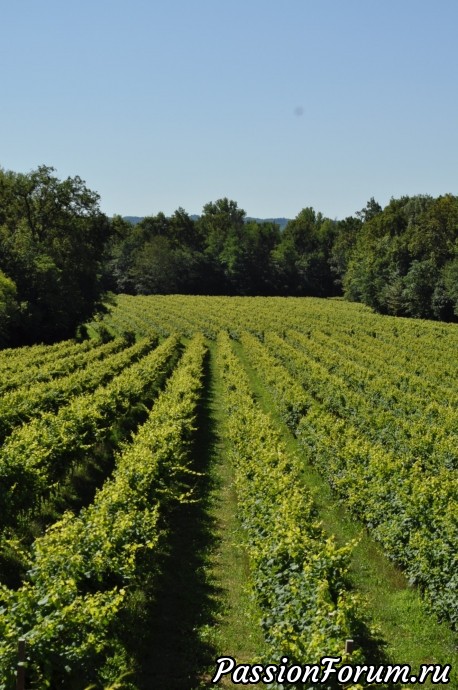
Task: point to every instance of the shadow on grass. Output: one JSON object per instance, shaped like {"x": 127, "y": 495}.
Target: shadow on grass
{"x": 169, "y": 652}
{"x": 374, "y": 652}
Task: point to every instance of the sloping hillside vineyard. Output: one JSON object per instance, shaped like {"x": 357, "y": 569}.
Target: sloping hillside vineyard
{"x": 101, "y": 450}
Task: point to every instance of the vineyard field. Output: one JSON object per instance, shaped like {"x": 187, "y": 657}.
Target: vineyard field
{"x": 228, "y": 476}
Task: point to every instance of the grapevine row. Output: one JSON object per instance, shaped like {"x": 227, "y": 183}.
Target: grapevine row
{"x": 86, "y": 569}
{"x": 20, "y": 405}
{"x": 36, "y": 456}
{"x": 298, "y": 573}
{"x": 414, "y": 519}
{"x": 381, "y": 412}
{"x": 57, "y": 368}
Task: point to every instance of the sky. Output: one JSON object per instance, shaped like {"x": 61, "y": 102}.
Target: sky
{"x": 276, "y": 104}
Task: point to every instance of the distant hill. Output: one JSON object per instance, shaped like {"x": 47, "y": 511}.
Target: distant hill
{"x": 133, "y": 219}
{"x": 282, "y": 222}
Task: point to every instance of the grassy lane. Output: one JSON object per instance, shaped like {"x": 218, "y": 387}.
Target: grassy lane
{"x": 407, "y": 633}
{"x": 196, "y": 607}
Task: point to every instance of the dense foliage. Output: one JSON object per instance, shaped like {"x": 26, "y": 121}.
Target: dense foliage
{"x": 401, "y": 260}
{"x": 222, "y": 252}
{"x": 405, "y": 259}
{"x": 52, "y": 235}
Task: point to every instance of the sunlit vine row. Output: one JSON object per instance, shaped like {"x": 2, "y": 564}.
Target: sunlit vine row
{"x": 414, "y": 518}
{"x": 36, "y": 456}
{"x": 298, "y": 574}
{"x": 58, "y": 367}
{"x": 86, "y": 568}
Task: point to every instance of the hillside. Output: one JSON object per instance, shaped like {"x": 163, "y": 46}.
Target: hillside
{"x": 282, "y": 222}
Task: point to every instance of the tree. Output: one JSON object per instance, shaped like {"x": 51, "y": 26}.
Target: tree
{"x": 154, "y": 268}
{"x": 117, "y": 259}
{"x": 346, "y": 233}
{"x": 371, "y": 209}
{"x": 52, "y": 237}
{"x": 402, "y": 260}
{"x": 419, "y": 285}
{"x": 304, "y": 254}
{"x": 8, "y": 307}
{"x": 221, "y": 227}
{"x": 183, "y": 231}
{"x": 450, "y": 281}
{"x": 255, "y": 264}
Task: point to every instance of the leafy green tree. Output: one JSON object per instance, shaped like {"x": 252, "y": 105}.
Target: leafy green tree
{"x": 256, "y": 265}
{"x": 52, "y": 237}
{"x": 8, "y": 307}
{"x": 450, "y": 281}
{"x": 435, "y": 231}
{"x": 303, "y": 258}
{"x": 154, "y": 268}
{"x": 158, "y": 254}
{"x": 400, "y": 261}
{"x": 371, "y": 209}
{"x": 285, "y": 259}
{"x": 183, "y": 231}
{"x": 220, "y": 219}
{"x": 117, "y": 259}
{"x": 368, "y": 276}
{"x": 419, "y": 285}
{"x": 346, "y": 233}
{"x": 221, "y": 228}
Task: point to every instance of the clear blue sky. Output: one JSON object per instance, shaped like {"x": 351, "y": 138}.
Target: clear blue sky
{"x": 277, "y": 104}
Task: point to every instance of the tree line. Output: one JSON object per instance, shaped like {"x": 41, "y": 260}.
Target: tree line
{"x": 59, "y": 255}
{"x": 400, "y": 260}
{"x": 224, "y": 253}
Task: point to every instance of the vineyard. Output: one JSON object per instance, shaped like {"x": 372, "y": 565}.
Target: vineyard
{"x": 213, "y": 476}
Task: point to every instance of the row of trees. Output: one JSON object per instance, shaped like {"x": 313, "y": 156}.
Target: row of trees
{"x": 59, "y": 254}
{"x": 223, "y": 253}
{"x": 400, "y": 260}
